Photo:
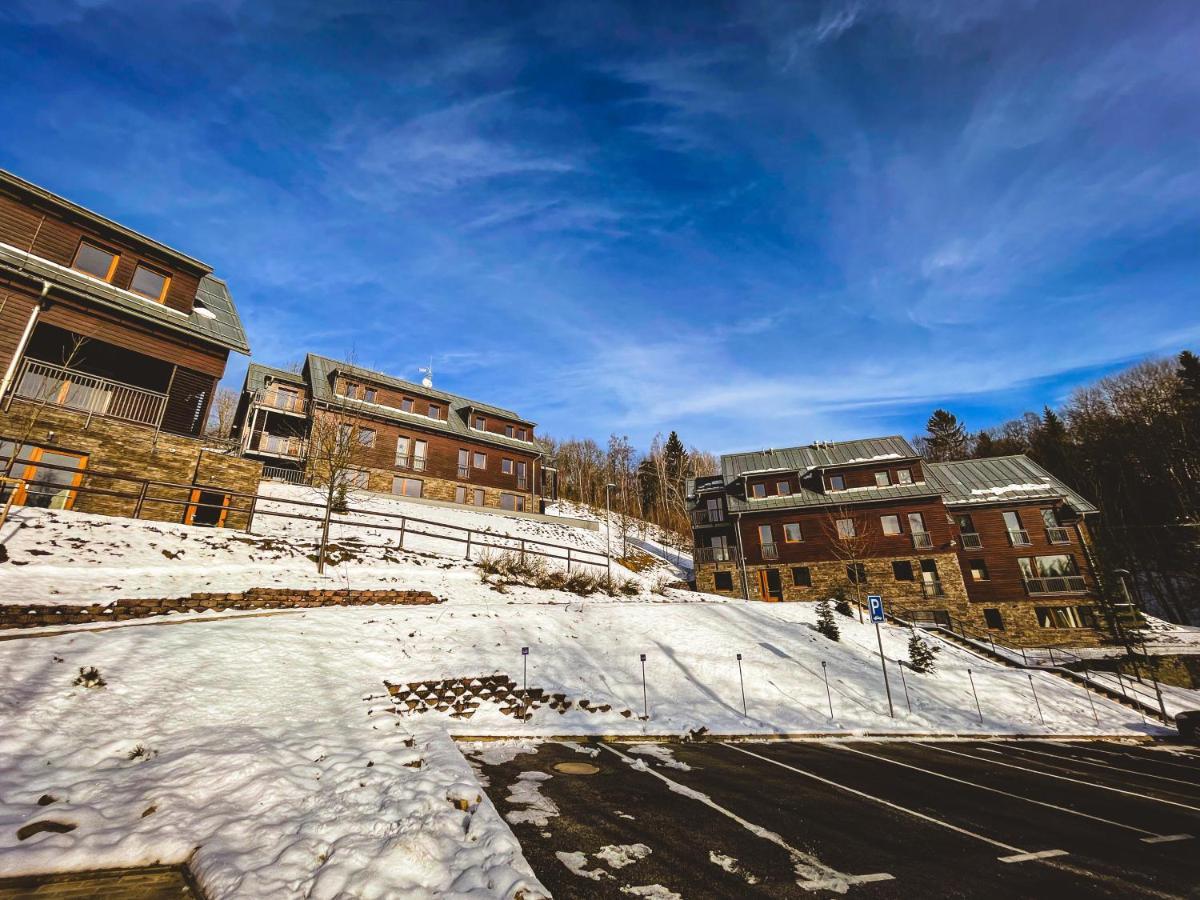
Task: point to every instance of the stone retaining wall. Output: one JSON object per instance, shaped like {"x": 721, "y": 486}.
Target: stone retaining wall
{"x": 36, "y": 614}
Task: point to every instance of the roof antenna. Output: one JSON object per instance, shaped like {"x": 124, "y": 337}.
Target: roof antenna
{"x": 427, "y": 371}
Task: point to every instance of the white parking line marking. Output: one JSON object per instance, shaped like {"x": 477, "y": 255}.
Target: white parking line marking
{"x": 1153, "y": 837}
{"x": 1166, "y": 838}
{"x": 1146, "y": 759}
{"x": 1015, "y": 851}
{"x": 814, "y": 874}
{"x": 1075, "y": 781}
{"x": 1101, "y": 765}
{"x": 1026, "y": 857}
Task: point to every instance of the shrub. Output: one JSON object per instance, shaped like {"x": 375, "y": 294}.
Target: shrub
{"x": 842, "y": 605}
{"x": 825, "y": 623}
{"x": 90, "y": 677}
{"x": 921, "y": 656}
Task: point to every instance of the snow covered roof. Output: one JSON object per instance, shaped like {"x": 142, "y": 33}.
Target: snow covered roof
{"x": 1001, "y": 479}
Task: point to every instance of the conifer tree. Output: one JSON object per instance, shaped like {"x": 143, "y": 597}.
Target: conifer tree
{"x": 825, "y": 623}
{"x": 921, "y": 656}
{"x": 1049, "y": 445}
{"x": 946, "y": 439}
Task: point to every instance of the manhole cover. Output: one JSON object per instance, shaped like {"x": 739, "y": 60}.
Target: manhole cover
{"x": 576, "y": 768}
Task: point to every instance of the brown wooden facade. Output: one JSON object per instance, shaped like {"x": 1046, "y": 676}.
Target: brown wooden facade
{"x": 412, "y": 440}
{"x": 935, "y": 550}
{"x": 102, "y": 326}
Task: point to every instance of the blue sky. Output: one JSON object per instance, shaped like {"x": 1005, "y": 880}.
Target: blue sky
{"x": 756, "y": 223}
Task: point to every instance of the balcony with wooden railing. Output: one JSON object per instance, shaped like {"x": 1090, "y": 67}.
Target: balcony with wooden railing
{"x": 92, "y": 395}
{"x": 1055, "y": 584}
{"x": 1057, "y": 535}
{"x": 281, "y": 401}
{"x": 971, "y": 541}
{"x": 714, "y": 554}
{"x": 282, "y": 445}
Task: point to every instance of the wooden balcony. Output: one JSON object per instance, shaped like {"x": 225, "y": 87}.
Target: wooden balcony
{"x": 971, "y": 541}
{"x": 281, "y": 401}
{"x": 412, "y": 462}
{"x": 1055, "y": 584}
{"x": 281, "y": 445}
{"x": 43, "y": 382}
{"x": 922, "y": 539}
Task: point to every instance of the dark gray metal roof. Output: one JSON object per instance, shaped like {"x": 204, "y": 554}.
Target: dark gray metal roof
{"x": 225, "y": 325}
{"x": 815, "y": 456}
{"x": 1001, "y": 479}
{"x": 320, "y": 371}
{"x": 257, "y": 376}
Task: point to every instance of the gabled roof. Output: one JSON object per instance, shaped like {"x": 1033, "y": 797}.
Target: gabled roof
{"x": 257, "y": 376}
{"x": 320, "y": 370}
{"x": 816, "y": 456}
{"x": 103, "y": 223}
{"x": 1001, "y": 479}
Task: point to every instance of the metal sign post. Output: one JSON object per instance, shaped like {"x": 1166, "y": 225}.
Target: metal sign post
{"x": 828, "y": 695}
{"x": 875, "y": 602}
{"x": 525, "y": 669}
{"x": 743, "y": 683}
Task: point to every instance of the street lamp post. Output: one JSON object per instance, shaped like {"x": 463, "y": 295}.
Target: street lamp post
{"x": 608, "y": 529}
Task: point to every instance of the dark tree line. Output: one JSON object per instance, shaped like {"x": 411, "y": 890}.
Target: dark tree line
{"x": 1131, "y": 444}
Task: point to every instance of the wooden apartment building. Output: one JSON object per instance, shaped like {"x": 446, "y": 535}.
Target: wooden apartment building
{"x": 995, "y": 545}
{"x": 111, "y": 346}
{"x": 411, "y": 439}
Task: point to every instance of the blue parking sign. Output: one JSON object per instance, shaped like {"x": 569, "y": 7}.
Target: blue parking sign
{"x": 876, "y": 604}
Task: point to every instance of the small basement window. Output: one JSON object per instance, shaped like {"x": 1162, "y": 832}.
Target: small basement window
{"x": 801, "y": 577}
{"x": 979, "y": 570}
{"x": 150, "y": 283}
{"x": 723, "y": 581}
{"x": 993, "y": 619}
{"x": 856, "y": 573}
{"x": 902, "y": 569}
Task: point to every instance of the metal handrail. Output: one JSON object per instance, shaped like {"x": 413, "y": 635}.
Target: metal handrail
{"x": 1058, "y": 535}
{"x": 1055, "y": 584}
{"x": 706, "y": 516}
{"x": 971, "y": 540}
{"x": 922, "y": 539}
{"x": 932, "y": 588}
{"x": 1018, "y": 537}
{"x": 770, "y": 551}
{"x": 279, "y": 473}
{"x": 45, "y": 382}
{"x": 411, "y": 461}
{"x": 464, "y": 471}
{"x": 714, "y": 554}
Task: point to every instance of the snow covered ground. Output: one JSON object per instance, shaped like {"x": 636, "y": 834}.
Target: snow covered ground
{"x": 269, "y": 743}
{"x": 673, "y": 557}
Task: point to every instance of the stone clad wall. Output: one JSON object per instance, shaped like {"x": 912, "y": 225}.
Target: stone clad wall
{"x": 34, "y": 615}
{"x": 122, "y": 448}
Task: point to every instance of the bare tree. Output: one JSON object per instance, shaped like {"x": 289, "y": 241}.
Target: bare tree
{"x": 224, "y": 408}
{"x": 852, "y": 541}
{"x": 336, "y": 452}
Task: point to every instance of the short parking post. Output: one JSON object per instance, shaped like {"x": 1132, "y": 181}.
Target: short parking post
{"x": 645, "y": 696}
{"x": 1035, "y": 698}
{"x": 975, "y": 694}
{"x": 828, "y": 695}
{"x": 742, "y": 680}
{"x": 1087, "y": 690}
{"x": 904, "y": 681}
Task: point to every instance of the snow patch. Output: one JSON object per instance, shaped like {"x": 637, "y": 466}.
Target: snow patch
{"x": 618, "y": 856}
{"x": 526, "y": 791}
{"x": 662, "y": 753}
{"x": 576, "y": 862}
{"x": 650, "y": 892}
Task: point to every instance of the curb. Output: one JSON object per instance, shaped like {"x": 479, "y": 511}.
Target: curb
{"x": 799, "y": 736}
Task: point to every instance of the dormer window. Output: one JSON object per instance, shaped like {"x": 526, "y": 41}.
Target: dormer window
{"x": 480, "y": 423}
{"x": 369, "y": 395}
{"x": 782, "y": 488}
{"x": 522, "y": 434}
{"x": 435, "y": 411}
{"x": 95, "y": 261}
{"x": 882, "y": 479}
{"x": 149, "y": 283}
{"x": 509, "y": 431}
{"x": 837, "y": 482}
{"x": 406, "y": 405}
{"x": 758, "y": 491}
{"x": 904, "y": 476}
{"x": 350, "y": 389}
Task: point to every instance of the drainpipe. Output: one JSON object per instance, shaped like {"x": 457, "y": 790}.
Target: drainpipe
{"x": 737, "y": 536}
{"x": 11, "y": 371}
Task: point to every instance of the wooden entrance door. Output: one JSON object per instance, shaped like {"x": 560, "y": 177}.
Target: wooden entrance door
{"x": 770, "y": 585}
{"x": 207, "y": 508}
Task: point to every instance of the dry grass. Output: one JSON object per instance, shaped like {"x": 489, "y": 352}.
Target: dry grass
{"x": 536, "y": 571}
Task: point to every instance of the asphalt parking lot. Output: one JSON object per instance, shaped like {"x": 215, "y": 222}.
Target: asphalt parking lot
{"x": 891, "y": 818}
